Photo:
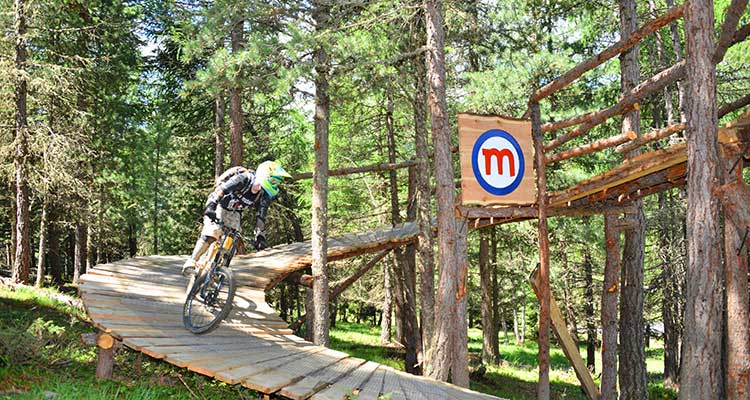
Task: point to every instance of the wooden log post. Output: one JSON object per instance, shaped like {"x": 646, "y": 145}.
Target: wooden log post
{"x": 543, "y": 389}
{"x": 628, "y": 102}
{"x": 623, "y": 45}
{"x": 105, "y": 359}
{"x": 728, "y": 28}
{"x": 569, "y": 346}
{"x": 734, "y": 106}
{"x": 653, "y": 135}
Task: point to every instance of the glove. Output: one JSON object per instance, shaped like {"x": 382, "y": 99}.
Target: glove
{"x": 211, "y": 208}
{"x": 260, "y": 242}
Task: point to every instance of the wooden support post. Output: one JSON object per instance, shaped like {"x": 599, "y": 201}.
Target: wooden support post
{"x": 543, "y": 390}
{"x": 105, "y": 360}
{"x": 569, "y": 346}
{"x": 609, "y": 308}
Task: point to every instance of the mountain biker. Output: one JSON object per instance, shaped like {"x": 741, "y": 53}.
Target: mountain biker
{"x": 236, "y": 189}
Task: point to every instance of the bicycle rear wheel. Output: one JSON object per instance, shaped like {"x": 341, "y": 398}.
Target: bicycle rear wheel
{"x": 209, "y": 301}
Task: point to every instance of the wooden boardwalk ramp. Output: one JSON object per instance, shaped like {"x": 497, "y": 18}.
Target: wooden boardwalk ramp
{"x": 139, "y": 301}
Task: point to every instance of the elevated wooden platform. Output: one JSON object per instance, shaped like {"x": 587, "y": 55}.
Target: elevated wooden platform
{"x": 139, "y": 301}
{"x": 635, "y": 178}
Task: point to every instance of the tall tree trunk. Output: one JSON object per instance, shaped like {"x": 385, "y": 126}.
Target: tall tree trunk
{"x": 671, "y": 294}
{"x": 309, "y": 315}
{"x": 13, "y": 220}
{"x": 79, "y": 262}
{"x": 320, "y": 183}
{"x": 460, "y": 357}
{"x": 426, "y": 260}
{"x": 495, "y": 291}
{"x": 485, "y": 282}
{"x": 700, "y": 373}
{"x": 219, "y": 140}
{"x": 632, "y": 354}
{"x": 445, "y": 305}
{"x": 42, "y": 258}
{"x": 22, "y": 264}
{"x": 589, "y": 309}
{"x": 385, "y": 320}
{"x": 235, "y": 100}
{"x": 609, "y": 309}
{"x": 90, "y": 249}
{"x": 677, "y": 48}
{"x": 53, "y": 258}
{"x": 412, "y": 342}
{"x": 738, "y": 323}
{"x": 397, "y": 276}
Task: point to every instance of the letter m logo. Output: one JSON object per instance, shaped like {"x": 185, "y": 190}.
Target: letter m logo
{"x": 499, "y": 155}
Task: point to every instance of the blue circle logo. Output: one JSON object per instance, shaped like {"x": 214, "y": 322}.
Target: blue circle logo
{"x": 497, "y": 161}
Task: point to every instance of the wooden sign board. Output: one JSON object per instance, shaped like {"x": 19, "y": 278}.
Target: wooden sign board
{"x": 497, "y": 160}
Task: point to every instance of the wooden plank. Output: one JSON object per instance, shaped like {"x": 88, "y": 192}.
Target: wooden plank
{"x": 349, "y": 385}
{"x": 569, "y": 346}
{"x": 418, "y": 388}
{"x": 204, "y": 350}
{"x": 273, "y": 381}
{"x": 192, "y": 340}
{"x": 214, "y": 362}
{"x": 373, "y": 387}
{"x": 319, "y": 380}
{"x": 235, "y": 372}
{"x": 628, "y": 171}
{"x": 391, "y": 386}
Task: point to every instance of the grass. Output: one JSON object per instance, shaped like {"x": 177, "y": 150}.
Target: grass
{"x": 514, "y": 378}
{"x": 41, "y": 353}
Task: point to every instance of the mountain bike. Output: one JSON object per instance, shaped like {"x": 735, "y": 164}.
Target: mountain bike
{"x": 210, "y": 290}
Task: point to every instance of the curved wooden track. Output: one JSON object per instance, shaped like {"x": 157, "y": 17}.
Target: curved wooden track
{"x": 139, "y": 301}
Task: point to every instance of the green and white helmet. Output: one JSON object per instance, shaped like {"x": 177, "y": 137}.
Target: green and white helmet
{"x": 270, "y": 175}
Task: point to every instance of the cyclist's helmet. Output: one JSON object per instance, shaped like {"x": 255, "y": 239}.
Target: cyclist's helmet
{"x": 270, "y": 175}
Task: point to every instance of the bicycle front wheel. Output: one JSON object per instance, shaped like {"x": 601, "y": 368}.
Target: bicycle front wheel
{"x": 209, "y": 301}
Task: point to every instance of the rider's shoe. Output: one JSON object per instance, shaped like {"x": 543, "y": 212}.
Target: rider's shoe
{"x": 189, "y": 267}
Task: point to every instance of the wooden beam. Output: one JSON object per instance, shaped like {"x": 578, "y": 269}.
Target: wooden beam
{"x": 734, "y": 106}
{"x": 566, "y": 123}
{"x": 728, "y": 28}
{"x": 591, "y": 147}
{"x": 655, "y": 134}
{"x": 298, "y": 278}
{"x": 629, "y": 170}
{"x": 359, "y": 170}
{"x": 741, "y": 34}
{"x": 569, "y": 346}
{"x": 623, "y": 45}
{"x": 628, "y": 101}
{"x": 344, "y": 284}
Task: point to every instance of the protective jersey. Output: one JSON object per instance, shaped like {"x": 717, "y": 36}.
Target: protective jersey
{"x": 237, "y": 196}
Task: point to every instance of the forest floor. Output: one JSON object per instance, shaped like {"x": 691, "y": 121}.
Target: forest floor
{"x": 515, "y": 378}
{"x": 42, "y": 357}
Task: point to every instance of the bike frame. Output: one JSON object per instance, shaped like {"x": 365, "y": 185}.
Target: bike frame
{"x": 223, "y": 254}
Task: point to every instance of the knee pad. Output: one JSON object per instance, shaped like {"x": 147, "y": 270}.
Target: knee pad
{"x": 208, "y": 239}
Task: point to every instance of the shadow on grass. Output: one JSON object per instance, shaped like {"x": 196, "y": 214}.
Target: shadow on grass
{"x": 527, "y": 356}
{"x": 511, "y": 387}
